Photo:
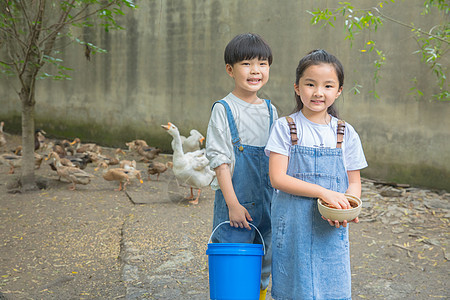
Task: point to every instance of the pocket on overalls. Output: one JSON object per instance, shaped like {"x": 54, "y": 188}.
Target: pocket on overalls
{"x": 251, "y": 208}
{"x": 327, "y": 181}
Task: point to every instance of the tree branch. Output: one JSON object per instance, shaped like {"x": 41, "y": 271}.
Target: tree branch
{"x": 77, "y": 17}
{"x": 410, "y": 27}
{"x": 58, "y": 28}
{"x": 13, "y": 32}
{"x": 62, "y": 22}
{"x": 35, "y": 30}
{"x": 27, "y": 17}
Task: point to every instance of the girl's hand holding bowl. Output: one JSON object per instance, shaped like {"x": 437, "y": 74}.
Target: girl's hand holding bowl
{"x": 337, "y": 217}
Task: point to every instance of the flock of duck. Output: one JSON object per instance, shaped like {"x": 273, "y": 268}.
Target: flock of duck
{"x": 70, "y": 158}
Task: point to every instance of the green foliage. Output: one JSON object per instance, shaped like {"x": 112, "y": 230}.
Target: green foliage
{"x": 433, "y": 43}
{"x": 30, "y": 31}
{"x": 32, "y": 34}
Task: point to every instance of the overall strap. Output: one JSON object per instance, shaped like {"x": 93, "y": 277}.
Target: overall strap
{"x": 340, "y": 133}
{"x": 233, "y": 129}
{"x": 293, "y": 130}
{"x": 269, "y": 106}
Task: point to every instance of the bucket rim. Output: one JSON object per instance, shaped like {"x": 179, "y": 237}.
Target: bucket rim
{"x": 235, "y": 249}
{"x": 225, "y": 222}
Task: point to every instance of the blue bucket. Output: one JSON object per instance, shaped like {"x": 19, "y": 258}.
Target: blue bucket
{"x": 234, "y": 269}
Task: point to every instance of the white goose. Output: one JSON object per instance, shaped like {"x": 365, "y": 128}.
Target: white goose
{"x": 192, "y": 142}
{"x": 191, "y": 168}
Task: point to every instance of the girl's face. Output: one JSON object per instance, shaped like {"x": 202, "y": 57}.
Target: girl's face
{"x": 318, "y": 88}
{"x": 249, "y": 76}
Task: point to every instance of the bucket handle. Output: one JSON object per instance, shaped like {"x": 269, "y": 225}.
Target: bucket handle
{"x": 225, "y": 222}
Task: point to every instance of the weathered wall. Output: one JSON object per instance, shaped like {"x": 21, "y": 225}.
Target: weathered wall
{"x": 168, "y": 66}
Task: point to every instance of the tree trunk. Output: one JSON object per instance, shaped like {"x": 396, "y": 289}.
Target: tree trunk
{"x": 28, "y": 161}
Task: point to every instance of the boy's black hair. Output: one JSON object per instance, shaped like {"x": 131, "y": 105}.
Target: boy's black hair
{"x": 247, "y": 46}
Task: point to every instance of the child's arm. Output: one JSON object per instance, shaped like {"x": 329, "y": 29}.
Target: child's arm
{"x": 278, "y": 164}
{"x": 238, "y": 214}
{"x": 354, "y": 183}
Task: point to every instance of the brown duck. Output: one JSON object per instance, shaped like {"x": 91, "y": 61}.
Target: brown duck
{"x": 123, "y": 176}
{"x": 158, "y": 168}
{"x": 72, "y": 174}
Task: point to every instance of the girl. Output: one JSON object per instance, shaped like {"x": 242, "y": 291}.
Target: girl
{"x": 310, "y": 160}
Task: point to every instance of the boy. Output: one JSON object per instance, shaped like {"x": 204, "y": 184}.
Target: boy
{"x": 237, "y": 134}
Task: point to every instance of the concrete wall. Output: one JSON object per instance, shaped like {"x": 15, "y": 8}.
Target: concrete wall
{"x": 168, "y": 66}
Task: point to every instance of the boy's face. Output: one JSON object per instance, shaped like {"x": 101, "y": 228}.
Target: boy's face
{"x": 249, "y": 76}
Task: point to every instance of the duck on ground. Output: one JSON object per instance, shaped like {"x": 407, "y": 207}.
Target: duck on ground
{"x": 113, "y": 160}
{"x": 64, "y": 161}
{"x": 191, "y": 168}
{"x": 156, "y": 167}
{"x": 39, "y": 139}
{"x": 15, "y": 161}
{"x": 81, "y": 160}
{"x": 134, "y": 174}
{"x": 134, "y": 144}
{"x": 68, "y": 155}
{"x": 73, "y": 161}
{"x": 118, "y": 174}
{"x": 72, "y": 174}
{"x": 62, "y": 148}
{"x": 127, "y": 164}
{"x": 87, "y": 147}
{"x": 148, "y": 153}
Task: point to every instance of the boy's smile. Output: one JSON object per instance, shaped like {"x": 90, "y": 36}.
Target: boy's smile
{"x": 254, "y": 80}
{"x": 249, "y": 76}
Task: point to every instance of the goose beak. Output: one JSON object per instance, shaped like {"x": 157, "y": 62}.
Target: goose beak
{"x": 201, "y": 140}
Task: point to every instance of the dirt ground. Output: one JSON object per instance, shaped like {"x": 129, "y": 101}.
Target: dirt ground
{"x": 96, "y": 243}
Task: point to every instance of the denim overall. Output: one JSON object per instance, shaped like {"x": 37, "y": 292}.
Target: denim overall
{"x": 311, "y": 259}
{"x": 253, "y": 190}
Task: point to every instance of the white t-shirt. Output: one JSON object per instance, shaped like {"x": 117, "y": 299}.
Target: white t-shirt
{"x": 311, "y": 134}
{"x": 252, "y": 122}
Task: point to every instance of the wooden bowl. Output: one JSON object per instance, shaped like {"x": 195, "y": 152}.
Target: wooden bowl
{"x": 340, "y": 214}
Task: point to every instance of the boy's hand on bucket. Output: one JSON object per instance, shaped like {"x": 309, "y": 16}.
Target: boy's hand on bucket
{"x": 239, "y": 217}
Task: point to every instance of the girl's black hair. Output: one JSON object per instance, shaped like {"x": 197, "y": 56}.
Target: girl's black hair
{"x": 247, "y": 46}
{"x": 317, "y": 57}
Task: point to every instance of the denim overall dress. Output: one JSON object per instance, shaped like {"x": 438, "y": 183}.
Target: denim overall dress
{"x": 253, "y": 190}
{"x": 311, "y": 259}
